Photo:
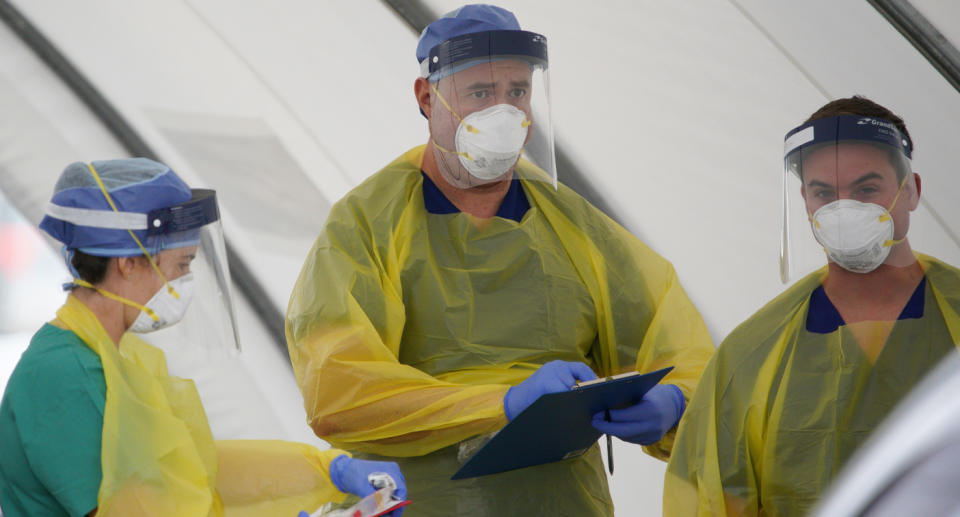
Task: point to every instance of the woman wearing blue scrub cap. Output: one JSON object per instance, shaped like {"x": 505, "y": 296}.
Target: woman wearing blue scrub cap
{"x": 90, "y": 421}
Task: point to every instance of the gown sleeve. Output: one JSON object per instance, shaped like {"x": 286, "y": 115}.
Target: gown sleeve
{"x": 344, "y": 325}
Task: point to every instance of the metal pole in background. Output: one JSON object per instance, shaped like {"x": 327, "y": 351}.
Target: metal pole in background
{"x": 924, "y": 36}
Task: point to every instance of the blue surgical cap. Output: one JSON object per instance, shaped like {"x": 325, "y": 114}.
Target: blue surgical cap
{"x": 136, "y": 185}
{"x": 465, "y": 20}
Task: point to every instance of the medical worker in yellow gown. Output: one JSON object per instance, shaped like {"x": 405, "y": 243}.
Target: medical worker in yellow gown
{"x": 90, "y": 422}
{"x": 795, "y": 389}
{"x": 455, "y": 286}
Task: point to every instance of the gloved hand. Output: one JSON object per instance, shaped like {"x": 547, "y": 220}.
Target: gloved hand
{"x": 552, "y": 377}
{"x": 646, "y": 422}
{"x": 350, "y": 476}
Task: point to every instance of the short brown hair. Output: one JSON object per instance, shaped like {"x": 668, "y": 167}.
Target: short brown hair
{"x": 858, "y": 105}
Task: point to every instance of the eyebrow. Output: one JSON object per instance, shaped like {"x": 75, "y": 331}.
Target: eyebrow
{"x": 818, "y": 183}
{"x": 483, "y": 86}
{"x": 862, "y": 179}
{"x": 867, "y": 177}
{"x": 480, "y": 86}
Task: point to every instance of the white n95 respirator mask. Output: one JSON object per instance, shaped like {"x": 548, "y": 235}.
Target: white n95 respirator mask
{"x": 168, "y": 309}
{"x": 489, "y": 141}
{"x": 857, "y": 236}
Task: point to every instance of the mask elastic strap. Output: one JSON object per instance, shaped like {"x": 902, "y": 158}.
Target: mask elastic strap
{"x": 890, "y": 242}
{"x": 156, "y": 268}
{"x": 116, "y": 297}
{"x": 446, "y": 105}
{"x": 886, "y": 215}
{"x": 468, "y": 126}
{"x": 444, "y": 149}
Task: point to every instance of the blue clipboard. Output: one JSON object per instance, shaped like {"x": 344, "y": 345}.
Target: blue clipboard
{"x": 557, "y": 426}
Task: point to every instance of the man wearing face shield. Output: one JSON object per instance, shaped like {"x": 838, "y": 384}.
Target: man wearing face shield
{"x": 90, "y": 421}
{"x": 796, "y": 388}
{"x": 455, "y": 286}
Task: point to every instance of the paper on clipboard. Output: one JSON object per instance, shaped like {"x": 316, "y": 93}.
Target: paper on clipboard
{"x": 557, "y": 426}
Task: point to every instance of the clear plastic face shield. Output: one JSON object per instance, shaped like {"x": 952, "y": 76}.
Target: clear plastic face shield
{"x": 490, "y": 108}
{"x": 849, "y": 180}
{"x": 192, "y": 314}
{"x": 186, "y": 241}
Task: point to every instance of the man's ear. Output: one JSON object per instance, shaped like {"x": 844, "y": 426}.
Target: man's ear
{"x": 916, "y": 199}
{"x": 421, "y": 89}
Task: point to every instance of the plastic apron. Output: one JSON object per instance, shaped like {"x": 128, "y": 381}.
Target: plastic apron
{"x": 780, "y": 409}
{"x": 406, "y": 328}
{"x": 158, "y": 456}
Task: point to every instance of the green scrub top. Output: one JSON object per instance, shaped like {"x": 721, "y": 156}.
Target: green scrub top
{"x": 51, "y": 420}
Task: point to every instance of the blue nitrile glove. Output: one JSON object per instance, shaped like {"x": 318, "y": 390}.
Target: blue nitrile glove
{"x": 552, "y": 377}
{"x": 647, "y": 421}
{"x": 350, "y": 476}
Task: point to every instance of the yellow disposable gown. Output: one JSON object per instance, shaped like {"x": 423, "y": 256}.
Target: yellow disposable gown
{"x": 158, "y": 456}
{"x": 406, "y": 329}
{"x": 780, "y": 409}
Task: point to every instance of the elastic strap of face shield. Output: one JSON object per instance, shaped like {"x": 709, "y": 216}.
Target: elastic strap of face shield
{"x": 156, "y": 268}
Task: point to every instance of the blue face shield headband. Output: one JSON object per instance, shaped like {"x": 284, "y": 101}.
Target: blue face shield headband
{"x": 461, "y": 52}
{"x": 179, "y": 225}
{"x": 842, "y": 128}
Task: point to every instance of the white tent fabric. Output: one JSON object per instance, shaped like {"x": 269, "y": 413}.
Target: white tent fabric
{"x": 674, "y": 111}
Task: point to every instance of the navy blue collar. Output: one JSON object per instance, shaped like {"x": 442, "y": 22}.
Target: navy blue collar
{"x": 514, "y": 204}
{"x": 823, "y": 317}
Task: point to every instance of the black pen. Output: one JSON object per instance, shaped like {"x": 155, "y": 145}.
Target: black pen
{"x": 606, "y": 415}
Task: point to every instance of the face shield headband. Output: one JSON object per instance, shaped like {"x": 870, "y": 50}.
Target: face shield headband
{"x": 842, "y": 128}
{"x": 461, "y": 52}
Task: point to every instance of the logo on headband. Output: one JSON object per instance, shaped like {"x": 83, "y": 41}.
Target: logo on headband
{"x": 874, "y": 122}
